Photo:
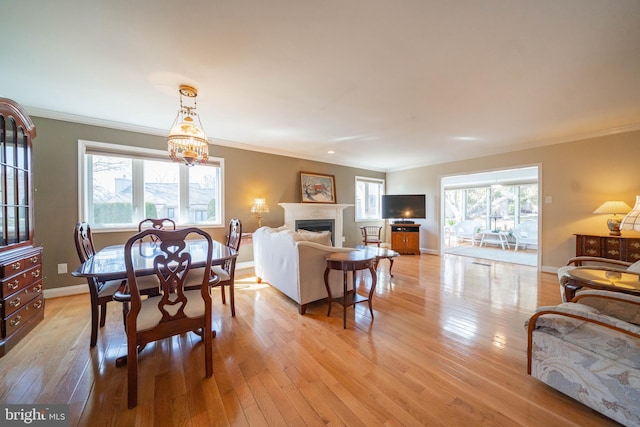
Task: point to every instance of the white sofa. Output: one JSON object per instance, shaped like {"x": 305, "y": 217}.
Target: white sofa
{"x": 294, "y": 262}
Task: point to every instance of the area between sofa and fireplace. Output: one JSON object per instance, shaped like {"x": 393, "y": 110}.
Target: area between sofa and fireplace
{"x": 295, "y": 212}
{"x": 317, "y": 225}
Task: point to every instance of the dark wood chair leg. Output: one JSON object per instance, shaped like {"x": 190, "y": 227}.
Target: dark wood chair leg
{"x": 232, "y": 300}
{"x": 224, "y": 298}
{"x": 103, "y": 314}
{"x": 94, "y": 324}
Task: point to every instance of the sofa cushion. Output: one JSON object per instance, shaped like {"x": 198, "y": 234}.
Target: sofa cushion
{"x": 321, "y": 237}
{"x": 598, "y": 339}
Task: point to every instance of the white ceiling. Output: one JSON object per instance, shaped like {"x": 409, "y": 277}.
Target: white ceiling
{"x": 385, "y": 84}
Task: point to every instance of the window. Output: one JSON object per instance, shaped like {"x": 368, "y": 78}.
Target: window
{"x": 369, "y": 193}
{"x": 496, "y": 207}
{"x": 121, "y": 186}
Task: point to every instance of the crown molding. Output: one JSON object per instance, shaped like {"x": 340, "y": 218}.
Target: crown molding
{"x": 74, "y": 118}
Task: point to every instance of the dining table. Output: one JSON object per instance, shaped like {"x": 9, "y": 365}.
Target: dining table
{"x": 108, "y": 263}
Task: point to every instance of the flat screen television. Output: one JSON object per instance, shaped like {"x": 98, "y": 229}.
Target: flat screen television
{"x": 404, "y": 206}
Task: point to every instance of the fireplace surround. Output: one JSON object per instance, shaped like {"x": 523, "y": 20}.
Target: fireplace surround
{"x": 316, "y": 212}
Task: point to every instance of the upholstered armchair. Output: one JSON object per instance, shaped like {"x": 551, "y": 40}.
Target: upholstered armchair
{"x": 589, "y": 349}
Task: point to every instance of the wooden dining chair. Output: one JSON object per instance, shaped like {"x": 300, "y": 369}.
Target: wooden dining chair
{"x": 227, "y": 271}
{"x": 371, "y": 234}
{"x": 100, "y": 291}
{"x": 157, "y": 224}
{"x": 176, "y": 310}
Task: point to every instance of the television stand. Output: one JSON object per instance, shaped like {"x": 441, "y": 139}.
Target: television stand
{"x": 405, "y": 238}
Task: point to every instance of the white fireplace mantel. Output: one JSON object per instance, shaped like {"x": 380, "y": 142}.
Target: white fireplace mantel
{"x": 298, "y": 211}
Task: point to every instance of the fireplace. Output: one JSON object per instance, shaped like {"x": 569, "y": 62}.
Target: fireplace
{"x": 317, "y": 225}
{"x": 314, "y": 212}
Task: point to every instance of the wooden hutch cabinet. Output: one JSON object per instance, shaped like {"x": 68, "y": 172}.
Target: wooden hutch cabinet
{"x": 405, "y": 238}
{"x": 21, "y": 299}
{"x": 624, "y": 248}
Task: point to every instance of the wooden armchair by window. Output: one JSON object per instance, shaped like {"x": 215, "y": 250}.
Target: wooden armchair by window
{"x": 101, "y": 292}
{"x": 371, "y": 234}
{"x": 176, "y": 310}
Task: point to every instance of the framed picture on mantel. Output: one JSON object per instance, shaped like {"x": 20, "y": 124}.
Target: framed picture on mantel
{"x": 317, "y": 188}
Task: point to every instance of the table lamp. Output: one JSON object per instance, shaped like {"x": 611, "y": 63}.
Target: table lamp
{"x": 259, "y": 207}
{"x": 613, "y": 208}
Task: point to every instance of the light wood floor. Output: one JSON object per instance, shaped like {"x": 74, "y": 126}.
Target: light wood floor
{"x": 447, "y": 347}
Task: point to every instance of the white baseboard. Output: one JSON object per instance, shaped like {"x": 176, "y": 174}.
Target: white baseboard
{"x": 66, "y": 291}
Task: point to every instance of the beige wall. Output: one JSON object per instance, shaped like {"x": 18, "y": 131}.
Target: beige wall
{"x": 578, "y": 176}
{"x": 247, "y": 175}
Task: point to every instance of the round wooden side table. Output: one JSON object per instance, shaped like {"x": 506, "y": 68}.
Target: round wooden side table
{"x": 350, "y": 262}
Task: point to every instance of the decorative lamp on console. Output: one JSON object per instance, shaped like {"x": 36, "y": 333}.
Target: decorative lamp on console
{"x": 632, "y": 220}
{"x": 259, "y": 207}
{"x": 613, "y": 208}
{"x": 187, "y": 140}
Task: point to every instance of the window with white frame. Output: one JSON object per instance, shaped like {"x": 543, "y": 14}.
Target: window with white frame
{"x": 369, "y": 193}
{"x": 121, "y": 186}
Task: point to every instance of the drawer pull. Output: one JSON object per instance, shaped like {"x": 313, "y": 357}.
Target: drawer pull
{"x": 34, "y": 260}
{"x": 16, "y": 265}
{"x": 14, "y": 302}
{"x": 16, "y": 321}
{"x": 14, "y": 285}
{"x": 37, "y": 304}
{"x": 35, "y": 273}
{"x": 38, "y": 289}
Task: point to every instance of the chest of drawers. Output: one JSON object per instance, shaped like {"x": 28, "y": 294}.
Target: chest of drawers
{"x": 21, "y": 299}
{"x": 624, "y": 248}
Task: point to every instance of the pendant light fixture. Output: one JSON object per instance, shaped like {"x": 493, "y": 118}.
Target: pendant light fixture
{"x": 187, "y": 141}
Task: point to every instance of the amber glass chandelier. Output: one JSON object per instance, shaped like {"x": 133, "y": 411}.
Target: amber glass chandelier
{"x": 187, "y": 140}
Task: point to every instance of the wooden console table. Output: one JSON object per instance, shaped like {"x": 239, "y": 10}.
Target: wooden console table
{"x": 623, "y": 248}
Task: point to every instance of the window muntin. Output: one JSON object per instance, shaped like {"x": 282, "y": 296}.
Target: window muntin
{"x": 123, "y": 185}
{"x": 369, "y": 193}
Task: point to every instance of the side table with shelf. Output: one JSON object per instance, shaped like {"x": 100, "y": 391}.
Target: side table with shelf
{"x": 350, "y": 261}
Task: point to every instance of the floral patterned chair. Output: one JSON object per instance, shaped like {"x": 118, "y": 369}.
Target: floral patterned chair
{"x": 589, "y": 349}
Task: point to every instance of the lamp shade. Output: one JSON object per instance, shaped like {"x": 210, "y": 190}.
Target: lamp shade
{"x": 632, "y": 220}
{"x": 260, "y": 206}
{"x": 613, "y": 207}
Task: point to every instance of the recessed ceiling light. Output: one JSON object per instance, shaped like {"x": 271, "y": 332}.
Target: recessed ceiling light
{"x": 465, "y": 138}
{"x": 331, "y": 152}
